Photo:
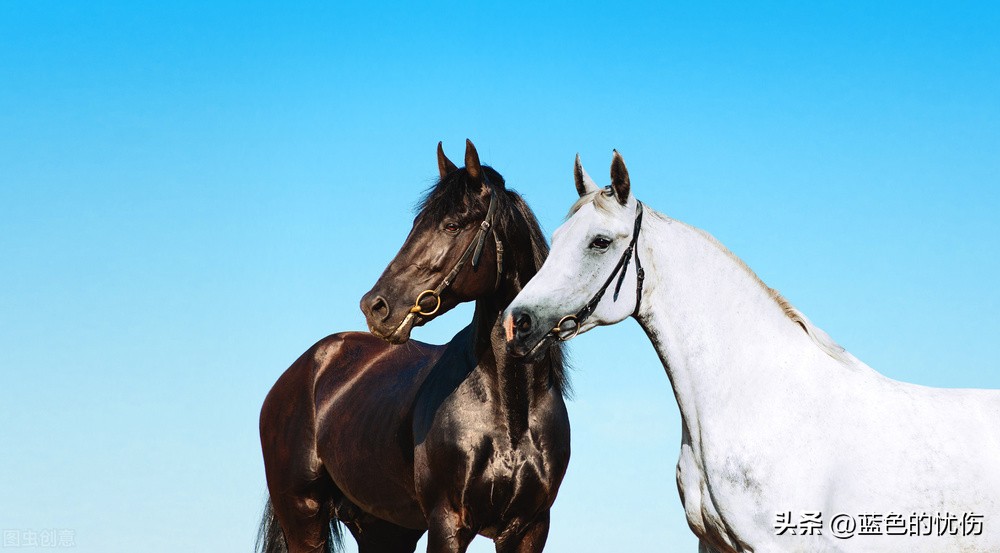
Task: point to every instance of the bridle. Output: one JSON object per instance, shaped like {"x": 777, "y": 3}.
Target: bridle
{"x": 580, "y": 316}
{"x": 474, "y": 250}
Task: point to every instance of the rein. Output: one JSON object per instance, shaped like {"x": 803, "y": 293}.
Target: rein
{"x": 578, "y": 318}
{"x": 474, "y": 250}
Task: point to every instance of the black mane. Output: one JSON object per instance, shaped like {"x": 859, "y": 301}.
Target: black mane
{"x": 454, "y": 195}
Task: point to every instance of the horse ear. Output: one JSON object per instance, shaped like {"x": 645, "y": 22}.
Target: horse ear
{"x": 584, "y": 183}
{"x": 619, "y": 178}
{"x": 472, "y": 165}
{"x": 445, "y": 165}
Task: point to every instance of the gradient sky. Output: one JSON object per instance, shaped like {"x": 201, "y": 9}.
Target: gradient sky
{"x": 191, "y": 195}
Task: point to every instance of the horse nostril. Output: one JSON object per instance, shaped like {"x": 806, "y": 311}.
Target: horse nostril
{"x": 380, "y": 308}
{"x": 523, "y": 323}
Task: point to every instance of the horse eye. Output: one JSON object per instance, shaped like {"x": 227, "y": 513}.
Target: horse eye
{"x": 600, "y": 243}
{"x": 452, "y": 227}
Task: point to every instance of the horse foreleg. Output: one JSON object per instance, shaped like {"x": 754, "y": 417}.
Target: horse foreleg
{"x": 375, "y": 535}
{"x": 530, "y": 540}
{"x": 447, "y": 533}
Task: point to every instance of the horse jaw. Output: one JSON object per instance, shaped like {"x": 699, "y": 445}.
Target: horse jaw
{"x": 400, "y": 334}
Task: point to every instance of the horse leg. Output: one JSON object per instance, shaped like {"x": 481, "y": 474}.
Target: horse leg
{"x": 304, "y": 516}
{"x": 530, "y": 540}
{"x": 705, "y": 547}
{"x": 447, "y": 533}
{"x": 375, "y": 535}
{"x": 302, "y": 493}
{"x": 302, "y": 505}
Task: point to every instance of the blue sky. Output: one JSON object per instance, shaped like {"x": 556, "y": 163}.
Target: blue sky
{"x": 191, "y": 195}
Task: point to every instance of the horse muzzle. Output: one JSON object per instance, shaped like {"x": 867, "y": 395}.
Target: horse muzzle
{"x": 525, "y": 337}
{"x": 378, "y": 315}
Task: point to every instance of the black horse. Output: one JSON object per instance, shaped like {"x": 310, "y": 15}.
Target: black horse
{"x": 396, "y": 440}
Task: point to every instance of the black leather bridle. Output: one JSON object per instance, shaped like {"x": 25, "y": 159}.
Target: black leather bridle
{"x": 474, "y": 251}
{"x": 584, "y": 313}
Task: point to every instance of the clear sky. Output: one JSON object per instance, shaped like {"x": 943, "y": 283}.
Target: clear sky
{"x": 193, "y": 194}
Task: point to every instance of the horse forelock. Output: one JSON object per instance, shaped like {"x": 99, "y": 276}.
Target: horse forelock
{"x": 455, "y": 192}
{"x": 602, "y": 198}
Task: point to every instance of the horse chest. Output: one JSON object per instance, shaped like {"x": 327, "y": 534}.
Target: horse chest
{"x": 722, "y": 497}
{"x": 508, "y": 485}
{"x": 469, "y": 459}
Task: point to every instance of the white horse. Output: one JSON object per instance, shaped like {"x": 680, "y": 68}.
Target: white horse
{"x": 789, "y": 443}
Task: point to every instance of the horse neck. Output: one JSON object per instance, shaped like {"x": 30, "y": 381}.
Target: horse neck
{"x": 518, "y": 384}
{"x": 725, "y": 343}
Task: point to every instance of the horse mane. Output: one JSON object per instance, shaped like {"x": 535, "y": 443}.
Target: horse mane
{"x": 514, "y": 223}
{"x": 816, "y": 334}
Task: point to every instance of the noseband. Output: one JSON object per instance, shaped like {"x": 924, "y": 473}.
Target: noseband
{"x": 474, "y": 250}
{"x": 583, "y": 314}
